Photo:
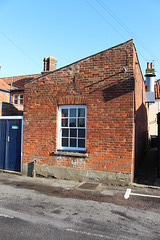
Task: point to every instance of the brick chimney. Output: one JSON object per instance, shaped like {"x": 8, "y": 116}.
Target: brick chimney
{"x": 50, "y": 64}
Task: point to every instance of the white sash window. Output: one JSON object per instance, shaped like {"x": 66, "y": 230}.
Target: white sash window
{"x": 72, "y": 127}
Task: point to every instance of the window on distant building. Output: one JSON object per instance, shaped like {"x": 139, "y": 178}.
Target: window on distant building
{"x": 15, "y": 98}
{"x": 72, "y": 127}
{"x": 21, "y": 98}
{"x": 18, "y": 98}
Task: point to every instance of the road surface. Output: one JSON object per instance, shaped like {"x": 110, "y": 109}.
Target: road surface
{"x": 35, "y": 211}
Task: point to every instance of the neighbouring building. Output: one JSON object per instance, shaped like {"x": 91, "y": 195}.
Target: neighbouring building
{"x": 152, "y": 99}
{"x": 12, "y": 89}
{"x": 87, "y": 120}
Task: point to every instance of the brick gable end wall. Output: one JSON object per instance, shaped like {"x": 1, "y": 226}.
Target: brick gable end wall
{"x": 100, "y": 83}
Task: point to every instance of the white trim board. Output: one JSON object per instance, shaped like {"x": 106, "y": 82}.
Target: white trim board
{"x": 11, "y": 117}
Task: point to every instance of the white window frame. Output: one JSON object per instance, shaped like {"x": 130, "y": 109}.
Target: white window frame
{"x": 15, "y": 98}
{"x": 20, "y": 98}
{"x": 74, "y": 149}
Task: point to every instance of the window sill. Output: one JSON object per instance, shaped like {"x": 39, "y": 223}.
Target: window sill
{"x": 71, "y": 154}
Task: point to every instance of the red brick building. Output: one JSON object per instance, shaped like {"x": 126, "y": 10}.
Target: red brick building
{"x": 12, "y": 89}
{"x": 87, "y": 121}
{"x": 11, "y": 94}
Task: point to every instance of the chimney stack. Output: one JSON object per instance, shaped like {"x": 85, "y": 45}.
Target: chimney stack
{"x": 49, "y": 64}
{"x": 150, "y": 77}
{"x": 150, "y": 81}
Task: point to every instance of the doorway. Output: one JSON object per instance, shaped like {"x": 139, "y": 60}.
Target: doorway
{"x": 11, "y": 130}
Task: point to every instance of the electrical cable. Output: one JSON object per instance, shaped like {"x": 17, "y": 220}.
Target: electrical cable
{"x": 105, "y": 19}
{"x": 122, "y": 25}
{"x": 20, "y": 49}
{"x": 126, "y": 28}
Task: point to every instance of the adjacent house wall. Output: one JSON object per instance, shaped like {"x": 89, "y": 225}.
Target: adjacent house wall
{"x": 154, "y": 109}
{"x": 15, "y": 83}
{"x": 4, "y": 96}
{"x": 4, "y": 93}
{"x": 107, "y": 89}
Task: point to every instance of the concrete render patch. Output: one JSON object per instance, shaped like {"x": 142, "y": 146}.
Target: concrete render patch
{"x": 81, "y": 175}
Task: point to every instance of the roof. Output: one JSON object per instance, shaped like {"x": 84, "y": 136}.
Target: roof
{"x": 4, "y": 85}
{"x": 18, "y": 82}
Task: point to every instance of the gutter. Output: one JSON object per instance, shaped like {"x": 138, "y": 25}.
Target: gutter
{"x": 2, "y": 90}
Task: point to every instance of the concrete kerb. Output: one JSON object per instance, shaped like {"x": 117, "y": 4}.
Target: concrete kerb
{"x": 144, "y": 186}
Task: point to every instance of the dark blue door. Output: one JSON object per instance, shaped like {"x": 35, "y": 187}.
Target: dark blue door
{"x": 10, "y": 143}
{"x": 3, "y": 130}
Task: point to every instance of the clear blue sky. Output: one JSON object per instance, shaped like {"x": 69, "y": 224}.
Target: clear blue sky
{"x": 74, "y": 29}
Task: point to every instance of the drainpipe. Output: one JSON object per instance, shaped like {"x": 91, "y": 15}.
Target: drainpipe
{"x": 11, "y": 89}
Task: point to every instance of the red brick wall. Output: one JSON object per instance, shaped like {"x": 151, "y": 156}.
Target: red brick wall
{"x": 110, "y": 111}
{"x": 157, "y": 89}
{"x": 4, "y": 96}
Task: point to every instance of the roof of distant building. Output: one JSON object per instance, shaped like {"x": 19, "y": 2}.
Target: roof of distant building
{"x": 18, "y": 82}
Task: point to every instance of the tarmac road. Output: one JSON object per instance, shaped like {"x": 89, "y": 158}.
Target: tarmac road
{"x": 55, "y": 209}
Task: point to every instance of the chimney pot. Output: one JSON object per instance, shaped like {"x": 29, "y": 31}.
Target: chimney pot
{"x": 152, "y": 65}
{"x": 147, "y": 65}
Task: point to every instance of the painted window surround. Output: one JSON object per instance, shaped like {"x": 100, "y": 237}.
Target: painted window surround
{"x": 72, "y": 128}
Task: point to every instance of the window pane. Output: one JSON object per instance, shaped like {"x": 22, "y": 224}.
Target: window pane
{"x": 81, "y": 122}
{"x": 72, "y": 122}
{"x": 73, "y": 142}
{"x": 65, "y": 132}
{"x": 81, "y": 112}
{"x": 64, "y": 112}
{"x": 21, "y": 101}
{"x": 81, "y": 143}
{"x": 81, "y": 133}
{"x": 15, "y": 99}
{"x": 20, "y": 98}
{"x": 64, "y": 122}
{"x": 73, "y": 112}
{"x": 64, "y": 142}
{"x": 73, "y": 132}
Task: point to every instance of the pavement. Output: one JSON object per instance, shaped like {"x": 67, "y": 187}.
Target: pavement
{"x": 39, "y": 208}
{"x": 73, "y": 189}
{"x": 146, "y": 182}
